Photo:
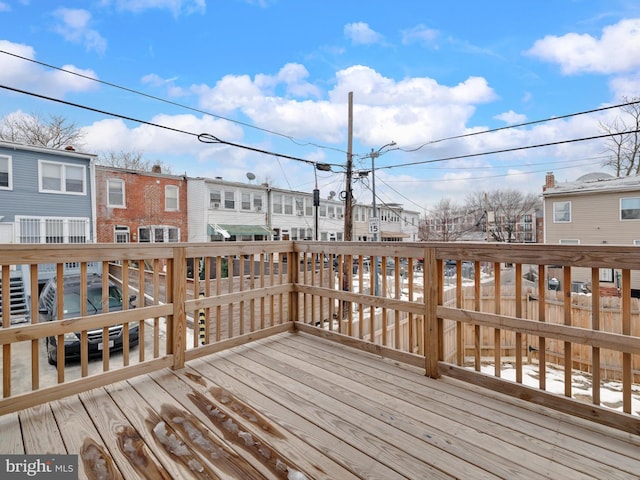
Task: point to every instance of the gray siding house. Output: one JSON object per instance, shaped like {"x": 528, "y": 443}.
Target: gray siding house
{"x": 46, "y": 196}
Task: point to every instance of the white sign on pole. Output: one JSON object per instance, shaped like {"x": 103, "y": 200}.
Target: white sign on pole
{"x": 374, "y": 225}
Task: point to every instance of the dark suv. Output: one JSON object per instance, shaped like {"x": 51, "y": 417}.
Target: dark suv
{"x": 47, "y": 306}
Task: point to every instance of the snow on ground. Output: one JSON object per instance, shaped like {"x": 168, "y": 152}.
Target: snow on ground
{"x": 582, "y": 388}
{"x": 581, "y": 385}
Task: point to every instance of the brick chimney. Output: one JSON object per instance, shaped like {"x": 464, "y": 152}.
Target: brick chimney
{"x": 549, "y": 181}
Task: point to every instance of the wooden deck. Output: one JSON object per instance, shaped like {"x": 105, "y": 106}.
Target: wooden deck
{"x": 301, "y": 403}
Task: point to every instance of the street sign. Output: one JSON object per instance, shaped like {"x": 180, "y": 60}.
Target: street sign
{"x": 374, "y": 225}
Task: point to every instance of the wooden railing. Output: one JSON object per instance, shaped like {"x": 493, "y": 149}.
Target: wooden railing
{"x": 433, "y": 305}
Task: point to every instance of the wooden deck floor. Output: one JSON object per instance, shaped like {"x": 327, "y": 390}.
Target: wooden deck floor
{"x": 299, "y": 403}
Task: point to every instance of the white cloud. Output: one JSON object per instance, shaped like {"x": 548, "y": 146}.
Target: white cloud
{"x": 74, "y": 27}
{"x": 5, "y": 7}
{"x": 361, "y": 34}
{"x": 31, "y": 76}
{"x": 177, "y": 7}
{"x": 511, "y": 117}
{"x": 420, "y": 34}
{"x": 616, "y": 51}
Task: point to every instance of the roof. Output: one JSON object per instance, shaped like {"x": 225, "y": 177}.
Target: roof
{"x": 595, "y": 183}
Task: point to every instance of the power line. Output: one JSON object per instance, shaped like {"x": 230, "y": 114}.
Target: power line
{"x": 518, "y": 125}
{"x": 506, "y": 150}
{"x": 170, "y": 102}
{"x": 202, "y": 137}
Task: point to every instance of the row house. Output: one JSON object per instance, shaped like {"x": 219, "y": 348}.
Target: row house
{"x": 597, "y": 208}
{"x": 220, "y": 210}
{"x": 395, "y": 223}
{"x": 46, "y": 196}
{"x": 143, "y": 207}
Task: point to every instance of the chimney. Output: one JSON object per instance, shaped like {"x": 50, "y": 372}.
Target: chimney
{"x": 549, "y": 181}
{"x": 156, "y": 169}
{"x": 70, "y": 148}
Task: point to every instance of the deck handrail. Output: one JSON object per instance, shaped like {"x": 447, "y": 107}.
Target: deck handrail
{"x": 239, "y": 291}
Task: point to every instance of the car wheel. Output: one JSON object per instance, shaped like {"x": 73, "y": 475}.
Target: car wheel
{"x": 51, "y": 358}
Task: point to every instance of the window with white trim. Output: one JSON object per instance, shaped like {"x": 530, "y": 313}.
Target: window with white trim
{"x": 171, "y": 198}
{"x": 257, "y": 202}
{"x": 53, "y": 230}
{"x": 121, "y": 234}
{"x": 277, "y": 203}
{"x": 288, "y": 205}
{"x": 6, "y": 176}
{"x": 245, "y": 201}
{"x": 630, "y": 208}
{"x": 561, "y": 212}
{"x": 158, "y": 234}
{"x": 215, "y": 199}
{"x": 115, "y": 192}
{"x": 55, "y": 177}
{"x": 230, "y": 200}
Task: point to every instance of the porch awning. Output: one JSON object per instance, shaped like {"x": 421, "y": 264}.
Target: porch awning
{"x": 394, "y": 235}
{"x": 237, "y": 230}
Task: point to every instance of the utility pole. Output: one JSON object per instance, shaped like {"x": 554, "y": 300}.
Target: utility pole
{"x": 348, "y": 200}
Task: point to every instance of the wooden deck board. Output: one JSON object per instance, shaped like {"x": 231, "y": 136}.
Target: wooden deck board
{"x": 294, "y": 401}
{"x": 11, "y": 437}
{"x": 509, "y": 420}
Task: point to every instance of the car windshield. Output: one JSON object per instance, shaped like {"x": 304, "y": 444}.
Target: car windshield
{"x": 94, "y": 301}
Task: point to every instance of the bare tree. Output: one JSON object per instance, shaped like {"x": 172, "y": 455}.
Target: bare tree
{"x": 500, "y": 211}
{"x": 54, "y": 131}
{"x": 623, "y": 144}
{"x": 132, "y": 160}
{"x": 448, "y": 222}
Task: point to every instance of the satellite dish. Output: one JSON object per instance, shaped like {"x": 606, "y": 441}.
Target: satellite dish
{"x": 332, "y": 194}
{"x": 251, "y": 176}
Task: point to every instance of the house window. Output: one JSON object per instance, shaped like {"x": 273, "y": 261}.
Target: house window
{"x": 322, "y": 210}
{"x": 229, "y": 200}
{"x": 331, "y": 211}
{"x": 300, "y": 206}
{"x": 630, "y": 208}
{"x": 561, "y": 212}
{"x": 115, "y": 192}
{"x": 171, "y": 198}
{"x": 288, "y": 205}
{"x": 257, "y": 203}
{"x": 215, "y": 199}
{"x": 52, "y": 230}
{"x": 246, "y": 201}
{"x": 158, "y": 234}
{"x": 308, "y": 209}
{"x": 121, "y": 234}
{"x": 61, "y": 178}
{"x": 6, "y": 182}
{"x": 606, "y": 275}
{"x": 277, "y": 203}
{"x": 570, "y": 241}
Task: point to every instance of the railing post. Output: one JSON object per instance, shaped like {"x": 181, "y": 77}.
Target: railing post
{"x": 294, "y": 269}
{"x": 431, "y": 332}
{"x": 179, "y": 291}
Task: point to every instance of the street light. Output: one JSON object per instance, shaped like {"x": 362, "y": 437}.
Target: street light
{"x": 373, "y": 155}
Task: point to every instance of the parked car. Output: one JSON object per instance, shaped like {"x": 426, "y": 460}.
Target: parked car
{"x": 48, "y": 304}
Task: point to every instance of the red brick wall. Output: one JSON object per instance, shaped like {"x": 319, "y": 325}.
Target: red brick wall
{"x": 144, "y": 199}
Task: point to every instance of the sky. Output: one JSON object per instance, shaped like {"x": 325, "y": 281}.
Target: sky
{"x": 440, "y": 90}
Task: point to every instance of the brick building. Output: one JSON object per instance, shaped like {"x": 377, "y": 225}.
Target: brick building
{"x": 140, "y": 207}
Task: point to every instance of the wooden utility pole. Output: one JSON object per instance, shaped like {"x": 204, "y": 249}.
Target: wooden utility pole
{"x": 348, "y": 198}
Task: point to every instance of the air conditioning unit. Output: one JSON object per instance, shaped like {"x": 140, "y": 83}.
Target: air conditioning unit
{"x": 215, "y": 205}
{"x": 332, "y": 216}
{"x": 299, "y": 212}
{"x": 258, "y": 209}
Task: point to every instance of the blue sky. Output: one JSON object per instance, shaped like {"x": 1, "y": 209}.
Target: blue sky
{"x": 275, "y": 75}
